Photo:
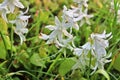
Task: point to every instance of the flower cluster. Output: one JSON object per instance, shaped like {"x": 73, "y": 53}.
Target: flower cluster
{"x": 70, "y": 18}
{"x": 58, "y": 33}
{"x": 78, "y": 14}
{"x": 61, "y": 36}
{"x": 21, "y": 21}
{"x": 97, "y": 47}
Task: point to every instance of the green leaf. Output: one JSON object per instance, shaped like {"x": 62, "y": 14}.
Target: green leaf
{"x": 37, "y": 61}
{"x": 23, "y": 58}
{"x": 3, "y": 26}
{"x": 16, "y": 78}
{"x": 31, "y": 1}
{"x": 42, "y": 51}
{"x": 116, "y": 64}
{"x": 2, "y": 64}
{"x": 26, "y": 3}
{"x": 4, "y": 40}
{"x": 54, "y": 6}
{"x": 1, "y": 77}
{"x": 3, "y": 67}
{"x": 1, "y": 1}
{"x": 44, "y": 16}
{"x": 76, "y": 75}
{"x": 7, "y": 42}
{"x": 83, "y": 78}
{"x": 66, "y": 66}
{"x": 104, "y": 73}
{"x": 2, "y": 50}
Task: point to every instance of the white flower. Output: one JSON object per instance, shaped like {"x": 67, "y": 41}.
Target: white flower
{"x": 11, "y": 4}
{"x": 83, "y": 17}
{"x": 43, "y": 36}
{"x": 97, "y": 47}
{"x": 100, "y": 42}
{"x": 21, "y": 23}
{"x": 82, "y": 53}
{"x": 76, "y": 14}
{"x": 20, "y": 31}
{"x": 82, "y": 2}
{"x": 78, "y": 51}
{"x": 58, "y": 33}
{"x": 83, "y": 49}
{"x": 101, "y": 62}
{"x": 68, "y": 16}
{"x": 4, "y": 11}
{"x": 81, "y": 63}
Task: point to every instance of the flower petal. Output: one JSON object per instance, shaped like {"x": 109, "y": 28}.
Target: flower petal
{"x": 18, "y": 4}
{"x": 43, "y": 36}
{"x": 50, "y": 27}
{"x": 78, "y": 51}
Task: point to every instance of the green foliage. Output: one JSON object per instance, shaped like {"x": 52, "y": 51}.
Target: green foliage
{"x": 3, "y": 52}
{"x": 3, "y": 26}
{"x": 76, "y": 75}
{"x": 104, "y": 73}
{"x": 66, "y": 66}
{"x": 116, "y": 64}
{"x": 4, "y": 40}
{"x": 36, "y": 60}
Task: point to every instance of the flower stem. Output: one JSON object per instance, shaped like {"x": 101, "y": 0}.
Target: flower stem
{"x": 52, "y": 65}
{"x": 11, "y": 36}
{"x": 89, "y": 67}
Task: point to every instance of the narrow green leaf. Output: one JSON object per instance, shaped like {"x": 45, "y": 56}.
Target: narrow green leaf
{"x": 2, "y": 50}
{"x": 116, "y": 64}
{"x": 8, "y": 43}
{"x": 3, "y": 26}
{"x": 104, "y": 73}
{"x": 2, "y": 64}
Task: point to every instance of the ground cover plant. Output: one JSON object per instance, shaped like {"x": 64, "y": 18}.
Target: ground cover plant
{"x": 59, "y": 40}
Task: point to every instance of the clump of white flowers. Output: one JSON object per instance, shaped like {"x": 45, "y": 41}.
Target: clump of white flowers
{"x": 61, "y": 35}
{"x": 79, "y": 13}
{"x": 70, "y": 18}
{"x": 59, "y": 31}
{"x": 96, "y": 46}
{"x": 21, "y": 21}
{"x": 11, "y": 4}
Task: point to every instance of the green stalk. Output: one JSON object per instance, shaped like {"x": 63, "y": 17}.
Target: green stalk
{"x": 11, "y": 36}
{"x": 11, "y": 53}
{"x": 89, "y": 67}
{"x": 29, "y": 74}
{"x": 54, "y": 62}
{"x": 116, "y": 11}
